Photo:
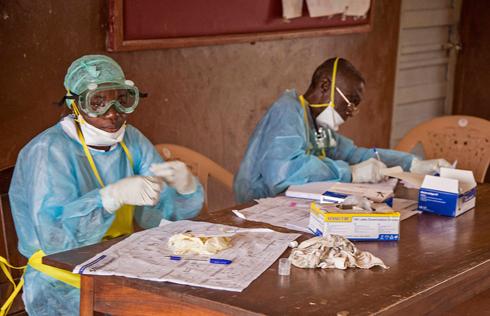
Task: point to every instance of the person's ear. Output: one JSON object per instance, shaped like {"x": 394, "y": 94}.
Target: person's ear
{"x": 325, "y": 85}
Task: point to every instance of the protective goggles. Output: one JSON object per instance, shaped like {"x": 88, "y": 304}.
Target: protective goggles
{"x": 96, "y": 101}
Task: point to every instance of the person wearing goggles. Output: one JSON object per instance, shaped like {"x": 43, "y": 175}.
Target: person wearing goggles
{"x": 296, "y": 142}
{"x": 83, "y": 180}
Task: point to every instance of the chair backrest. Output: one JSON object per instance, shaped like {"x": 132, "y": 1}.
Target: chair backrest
{"x": 465, "y": 138}
{"x": 8, "y": 244}
{"x": 200, "y": 165}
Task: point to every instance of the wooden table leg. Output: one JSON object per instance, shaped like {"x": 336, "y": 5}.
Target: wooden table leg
{"x": 86, "y": 296}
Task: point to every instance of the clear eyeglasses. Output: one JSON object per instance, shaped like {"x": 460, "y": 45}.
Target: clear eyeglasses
{"x": 351, "y": 107}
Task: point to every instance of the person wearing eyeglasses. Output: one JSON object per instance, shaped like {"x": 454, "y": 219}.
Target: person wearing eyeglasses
{"x": 295, "y": 142}
{"x": 83, "y": 180}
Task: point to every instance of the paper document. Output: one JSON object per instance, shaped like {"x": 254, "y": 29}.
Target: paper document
{"x": 388, "y": 171}
{"x": 301, "y": 224}
{"x": 292, "y": 8}
{"x": 414, "y": 180}
{"x": 319, "y": 8}
{"x": 279, "y": 211}
{"x": 406, "y": 208}
{"x": 315, "y": 190}
{"x": 142, "y": 255}
{"x": 376, "y": 195}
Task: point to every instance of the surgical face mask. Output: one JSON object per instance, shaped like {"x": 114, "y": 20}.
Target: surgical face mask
{"x": 97, "y": 137}
{"x": 329, "y": 118}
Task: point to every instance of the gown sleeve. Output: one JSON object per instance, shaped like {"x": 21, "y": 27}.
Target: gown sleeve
{"x": 347, "y": 151}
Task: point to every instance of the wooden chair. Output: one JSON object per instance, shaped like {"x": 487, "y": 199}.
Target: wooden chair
{"x": 465, "y": 138}
{"x": 8, "y": 246}
{"x": 199, "y": 165}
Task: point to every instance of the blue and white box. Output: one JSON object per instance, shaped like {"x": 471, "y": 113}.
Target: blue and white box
{"x": 450, "y": 194}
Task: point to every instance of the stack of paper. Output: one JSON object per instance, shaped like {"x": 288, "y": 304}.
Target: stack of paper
{"x": 315, "y": 190}
{"x": 142, "y": 255}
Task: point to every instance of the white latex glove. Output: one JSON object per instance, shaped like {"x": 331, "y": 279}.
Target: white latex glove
{"x": 370, "y": 170}
{"x": 430, "y": 167}
{"x": 176, "y": 175}
{"x": 135, "y": 190}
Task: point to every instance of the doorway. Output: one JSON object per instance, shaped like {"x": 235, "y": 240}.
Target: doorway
{"x": 428, "y": 45}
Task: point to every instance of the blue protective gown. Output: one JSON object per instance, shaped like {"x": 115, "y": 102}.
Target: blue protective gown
{"x": 276, "y": 154}
{"x": 56, "y": 205}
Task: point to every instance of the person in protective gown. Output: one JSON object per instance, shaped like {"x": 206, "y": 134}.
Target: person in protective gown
{"x": 295, "y": 142}
{"x": 82, "y": 180}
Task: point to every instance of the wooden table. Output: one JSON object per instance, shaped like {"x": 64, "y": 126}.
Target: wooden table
{"x": 438, "y": 263}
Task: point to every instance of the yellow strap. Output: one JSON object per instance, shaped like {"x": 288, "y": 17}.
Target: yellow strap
{"x": 89, "y": 156}
{"x": 127, "y": 153}
{"x": 323, "y": 105}
{"x": 322, "y": 156}
{"x": 36, "y": 262}
{"x": 8, "y": 303}
{"x": 334, "y": 74}
{"x": 303, "y": 100}
{"x": 73, "y": 104}
{"x": 59, "y": 274}
{"x": 91, "y": 160}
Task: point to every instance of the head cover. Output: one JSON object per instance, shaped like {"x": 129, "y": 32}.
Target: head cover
{"x": 98, "y": 82}
{"x": 89, "y": 69}
{"x": 329, "y": 117}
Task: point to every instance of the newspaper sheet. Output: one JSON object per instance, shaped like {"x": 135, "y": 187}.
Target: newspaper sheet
{"x": 142, "y": 256}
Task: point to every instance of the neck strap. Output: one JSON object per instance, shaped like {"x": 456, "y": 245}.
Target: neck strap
{"x": 91, "y": 160}
{"x": 334, "y": 74}
{"x": 303, "y": 101}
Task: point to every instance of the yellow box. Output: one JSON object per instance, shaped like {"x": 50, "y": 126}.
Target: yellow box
{"x": 381, "y": 225}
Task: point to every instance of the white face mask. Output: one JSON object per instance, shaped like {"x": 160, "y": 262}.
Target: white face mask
{"x": 329, "y": 118}
{"x": 97, "y": 137}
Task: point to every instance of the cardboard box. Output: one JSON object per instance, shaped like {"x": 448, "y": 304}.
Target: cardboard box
{"x": 383, "y": 224}
{"x": 450, "y": 194}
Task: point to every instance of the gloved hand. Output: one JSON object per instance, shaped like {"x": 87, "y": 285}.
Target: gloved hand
{"x": 368, "y": 171}
{"x": 135, "y": 190}
{"x": 430, "y": 167}
{"x": 176, "y": 175}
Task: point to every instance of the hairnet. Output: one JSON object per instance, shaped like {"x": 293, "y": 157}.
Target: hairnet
{"x": 92, "y": 69}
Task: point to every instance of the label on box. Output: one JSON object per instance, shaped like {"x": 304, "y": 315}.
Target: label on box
{"x": 440, "y": 202}
{"x": 354, "y": 226}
